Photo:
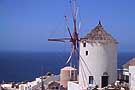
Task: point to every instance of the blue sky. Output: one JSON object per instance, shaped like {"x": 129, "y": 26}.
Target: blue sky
{"x": 25, "y": 25}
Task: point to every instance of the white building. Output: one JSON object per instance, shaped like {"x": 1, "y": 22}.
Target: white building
{"x": 8, "y": 86}
{"x": 131, "y": 67}
{"x": 98, "y": 60}
{"x": 30, "y": 85}
{"x": 36, "y": 84}
{"x": 132, "y": 77}
{"x": 33, "y": 85}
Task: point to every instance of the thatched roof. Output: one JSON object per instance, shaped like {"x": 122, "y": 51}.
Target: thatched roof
{"x": 99, "y": 34}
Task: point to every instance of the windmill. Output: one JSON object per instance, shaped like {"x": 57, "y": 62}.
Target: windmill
{"x": 74, "y": 39}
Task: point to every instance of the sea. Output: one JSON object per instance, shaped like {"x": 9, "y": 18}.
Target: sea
{"x": 26, "y": 66}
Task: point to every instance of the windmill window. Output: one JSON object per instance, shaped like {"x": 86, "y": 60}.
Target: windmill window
{"x": 86, "y": 53}
{"x": 56, "y": 87}
{"x": 84, "y": 44}
{"x": 91, "y": 79}
{"x": 72, "y": 73}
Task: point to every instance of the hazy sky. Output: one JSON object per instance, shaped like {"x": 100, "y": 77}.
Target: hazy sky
{"x": 25, "y": 25}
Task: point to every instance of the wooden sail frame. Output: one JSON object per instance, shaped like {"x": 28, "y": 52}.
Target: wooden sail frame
{"x": 74, "y": 39}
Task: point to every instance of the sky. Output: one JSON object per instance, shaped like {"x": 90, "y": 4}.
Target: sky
{"x": 26, "y": 25}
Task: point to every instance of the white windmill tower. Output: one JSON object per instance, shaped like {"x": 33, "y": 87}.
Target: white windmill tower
{"x": 98, "y": 58}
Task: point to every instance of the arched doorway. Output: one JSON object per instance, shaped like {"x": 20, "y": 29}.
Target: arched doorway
{"x": 104, "y": 79}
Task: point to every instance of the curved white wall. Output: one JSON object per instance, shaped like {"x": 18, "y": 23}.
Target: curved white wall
{"x": 101, "y": 58}
{"x": 132, "y": 77}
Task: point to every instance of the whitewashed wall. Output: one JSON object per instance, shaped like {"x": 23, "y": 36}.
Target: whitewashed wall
{"x": 101, "y": 58}
{"x": 132, "y": 77}
{"x": 73, "y": 86}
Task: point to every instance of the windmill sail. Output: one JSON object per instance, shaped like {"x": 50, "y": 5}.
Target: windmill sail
{"x": 74, "y": 39}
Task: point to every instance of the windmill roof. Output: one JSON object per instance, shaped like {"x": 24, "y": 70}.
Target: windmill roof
{"x": 99, "y": 34}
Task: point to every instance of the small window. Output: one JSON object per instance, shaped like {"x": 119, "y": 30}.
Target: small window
{"x": 57, "y": 87}
{"x": 72, "y": 73}
{"x": 91, "y": 79}
{"x": 86, "y": 53}
{"x": 84, "y": 44}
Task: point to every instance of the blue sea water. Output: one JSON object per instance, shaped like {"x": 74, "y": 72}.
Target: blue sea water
{"x": 26, "y": 66}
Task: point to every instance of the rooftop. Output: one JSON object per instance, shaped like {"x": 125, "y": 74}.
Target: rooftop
{"x": 99, "y": 34}
{"x": 68, "y": 68}
{"x": 130, "y": 63}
